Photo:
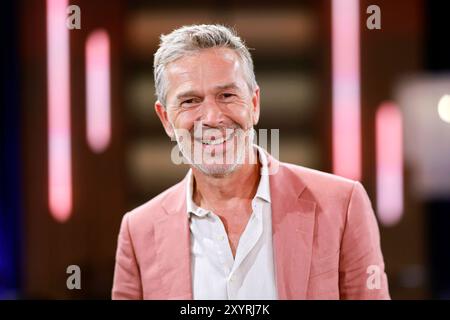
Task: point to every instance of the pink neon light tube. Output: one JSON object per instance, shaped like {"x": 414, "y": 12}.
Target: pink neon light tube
{"x": 389, "y": 149}
{"x": 98, "y": 91}
{"x": 346, "y": 89}
{"x": 59, "y": 144}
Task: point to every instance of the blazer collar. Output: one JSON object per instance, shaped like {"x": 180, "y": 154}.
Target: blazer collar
{"x": 293, "y": 220}
{"x": 172, "y": 238}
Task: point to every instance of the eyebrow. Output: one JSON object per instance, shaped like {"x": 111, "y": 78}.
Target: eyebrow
{"x": 227, "y": 86}
{"x": 191, "y": 93}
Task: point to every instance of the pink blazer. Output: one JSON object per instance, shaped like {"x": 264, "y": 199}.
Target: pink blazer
{"x": 325, "y": 238}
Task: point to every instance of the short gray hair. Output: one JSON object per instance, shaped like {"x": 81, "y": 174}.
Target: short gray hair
{"x": 189, "y": 39}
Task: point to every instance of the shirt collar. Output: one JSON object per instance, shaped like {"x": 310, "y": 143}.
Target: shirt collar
{"x": 262, "y": 192}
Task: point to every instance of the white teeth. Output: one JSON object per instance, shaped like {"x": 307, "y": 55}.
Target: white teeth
{"x": 216, "y": 141}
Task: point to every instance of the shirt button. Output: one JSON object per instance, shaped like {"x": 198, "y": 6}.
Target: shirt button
{"x": 220, "y": 237}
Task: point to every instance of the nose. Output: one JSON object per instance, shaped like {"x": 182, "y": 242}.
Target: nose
{"x": 211, "y": 114}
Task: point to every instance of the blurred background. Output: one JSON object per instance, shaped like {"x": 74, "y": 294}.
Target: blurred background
{"x": 356, "y": 90}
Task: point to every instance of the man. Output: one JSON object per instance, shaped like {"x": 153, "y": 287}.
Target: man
{"x": 241, "y": 225}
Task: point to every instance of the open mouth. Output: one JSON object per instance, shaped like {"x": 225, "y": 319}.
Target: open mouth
{"x": 213, "y": 141}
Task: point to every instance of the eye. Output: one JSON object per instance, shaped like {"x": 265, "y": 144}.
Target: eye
{"x": 189, "y": 102}
{"x": 227, "y": 95}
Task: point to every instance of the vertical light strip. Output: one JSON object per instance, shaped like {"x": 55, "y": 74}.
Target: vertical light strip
{"x": 346, "y": 89}
{"x": 59, "y": 144}
{"x": 444, "y": 108}
{"x": 389, "y": 151}
{"x": 98, "y": 90}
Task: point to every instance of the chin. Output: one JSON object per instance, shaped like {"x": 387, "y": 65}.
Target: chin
{"x": 217, "y": 170}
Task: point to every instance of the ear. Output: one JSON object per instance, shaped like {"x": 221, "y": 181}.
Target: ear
{"x": 255, "y": 105}
{"x": 163, "y": 117}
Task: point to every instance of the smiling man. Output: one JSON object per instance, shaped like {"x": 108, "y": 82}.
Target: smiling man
{"x": 241, "y": 224}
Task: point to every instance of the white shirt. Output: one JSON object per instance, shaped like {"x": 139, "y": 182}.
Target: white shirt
{"x": 216, "y": 274}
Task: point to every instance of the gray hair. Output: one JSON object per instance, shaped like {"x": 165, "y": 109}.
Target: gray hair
{"x": 189, "y": 39}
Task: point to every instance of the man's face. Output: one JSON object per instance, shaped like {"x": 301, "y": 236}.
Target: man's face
{"x": 208, "y": 98}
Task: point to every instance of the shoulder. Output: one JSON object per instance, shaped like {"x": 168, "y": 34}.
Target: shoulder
{"x": 153, "y": 210}
{"x": 334, "y": 195}
{"x": 318, "y": 182}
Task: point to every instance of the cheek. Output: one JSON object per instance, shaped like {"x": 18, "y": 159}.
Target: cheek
{"x": 242, "y": 114}
{"x": 183, "y": 120}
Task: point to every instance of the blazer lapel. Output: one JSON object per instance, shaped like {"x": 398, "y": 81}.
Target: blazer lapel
{"x": 172, "y": 237}
{"x": 293, "y": 220}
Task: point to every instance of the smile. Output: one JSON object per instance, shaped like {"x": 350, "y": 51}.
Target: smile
{"x": 217, "y": 141}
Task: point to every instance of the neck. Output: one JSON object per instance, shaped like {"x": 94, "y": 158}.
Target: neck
{"x": 240, "y": 184}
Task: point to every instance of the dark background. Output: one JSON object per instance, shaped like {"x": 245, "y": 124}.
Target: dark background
{"x": 292, "y": 42}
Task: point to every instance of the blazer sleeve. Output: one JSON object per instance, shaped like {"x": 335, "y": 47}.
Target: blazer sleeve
{"x": 361, "y": 265}
{"x": 127, "y": 279}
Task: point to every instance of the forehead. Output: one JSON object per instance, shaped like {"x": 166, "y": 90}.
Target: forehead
{"x": 205, "y": 69}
